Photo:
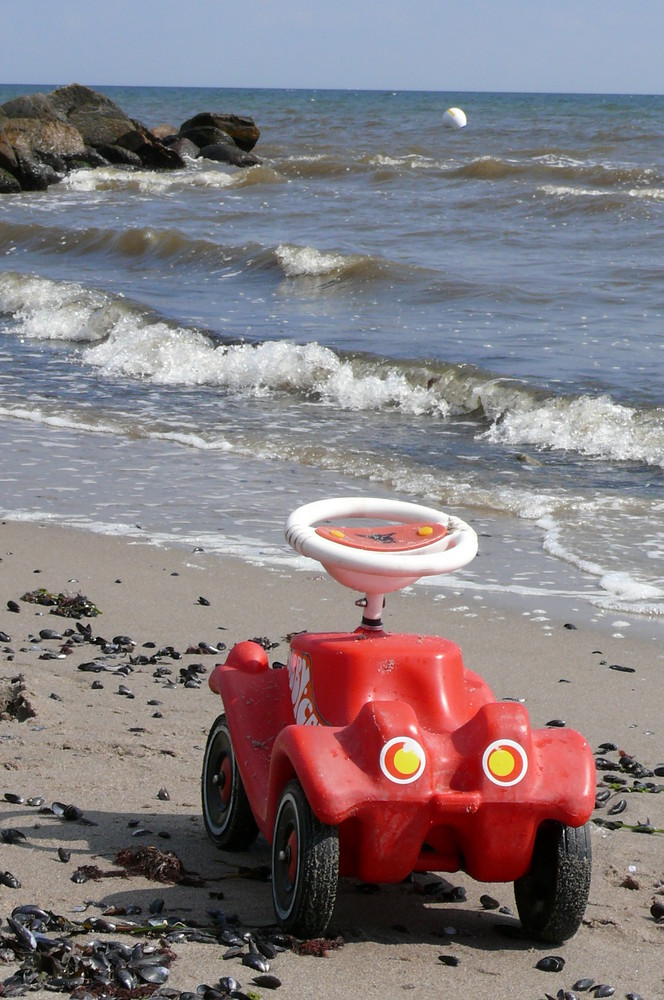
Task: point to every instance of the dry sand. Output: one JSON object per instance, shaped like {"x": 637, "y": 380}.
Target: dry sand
{"x": 109, "y": 755}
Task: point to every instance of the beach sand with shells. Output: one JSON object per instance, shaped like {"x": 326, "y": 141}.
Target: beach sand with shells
{"x": 131, "y": 763}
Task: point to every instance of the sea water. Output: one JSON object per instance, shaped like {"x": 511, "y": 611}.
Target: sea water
{"x": 470, "y": 319}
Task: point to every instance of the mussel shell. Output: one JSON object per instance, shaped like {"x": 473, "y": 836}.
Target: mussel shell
{"x": 550, "y": 963}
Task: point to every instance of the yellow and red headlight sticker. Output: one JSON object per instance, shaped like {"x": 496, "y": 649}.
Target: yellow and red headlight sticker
{"x": 402, "y": 760}
{"x": 505, "y": 762}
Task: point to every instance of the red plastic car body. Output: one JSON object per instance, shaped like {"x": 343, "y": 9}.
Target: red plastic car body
{"x": 390, "y": 746}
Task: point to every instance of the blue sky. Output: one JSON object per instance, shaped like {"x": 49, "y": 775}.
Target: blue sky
{"x": 461, "y": 45}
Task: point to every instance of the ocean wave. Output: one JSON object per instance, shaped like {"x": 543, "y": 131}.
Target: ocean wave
{"x": 149, "y": 243}
{"x": 594, "y": 426}
{"x": 147, "y": 182}
{"x": 556, "y": 168}
{"x": 124, "y": 339}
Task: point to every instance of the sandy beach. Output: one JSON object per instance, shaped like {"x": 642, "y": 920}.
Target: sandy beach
{"x": 131, "y": 762}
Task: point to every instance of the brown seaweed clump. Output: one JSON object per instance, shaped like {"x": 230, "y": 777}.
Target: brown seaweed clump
{"x": 66, "y": 605}
{"x": 156, "y": 865}
{"x": 13, "y": 701}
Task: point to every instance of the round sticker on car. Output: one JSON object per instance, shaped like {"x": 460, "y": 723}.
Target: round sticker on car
{"x": 402, "y": 760}
{"x": 505, "y": 762}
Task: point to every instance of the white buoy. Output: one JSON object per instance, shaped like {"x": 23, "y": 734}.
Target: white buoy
{"x": 454, "y": 118}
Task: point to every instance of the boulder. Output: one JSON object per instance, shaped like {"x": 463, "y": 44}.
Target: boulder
{"x": 99, "y": 120}
{"x": 227, "y": 152}
{"x": 7, "y": 155}
{"x": 33, "y": 175}
{"x": 184, "y": 148}
{"x": 30, "y": 106}
{"x": 153, "y": 153}
{"x": 205, "y": 135}
{"x": 243, "y": 131}
{"x": 44, "y": 139}
{"x": 120, "y": 156}
{"x": 163, "y": 132}
{"x": 8, "y": 183}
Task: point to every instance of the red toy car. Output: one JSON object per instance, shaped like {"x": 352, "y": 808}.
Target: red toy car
{"x": 374, "y": 755}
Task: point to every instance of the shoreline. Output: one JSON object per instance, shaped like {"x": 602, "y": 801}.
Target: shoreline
{"x": 110, "y": 754}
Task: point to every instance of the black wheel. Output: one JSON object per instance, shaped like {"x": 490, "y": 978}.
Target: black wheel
{"x": 305, "y": 866}
{"x": 226, "y": 811}
{"x": 552, "y": 896}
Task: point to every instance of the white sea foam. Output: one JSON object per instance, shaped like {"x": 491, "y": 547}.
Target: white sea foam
{"x": 595, "y": 426}
{"x": 620, "y": 589}
{"x": 57, "y": 310}
{"x": 300, "y": 262}
{"x": 146, "y": 181}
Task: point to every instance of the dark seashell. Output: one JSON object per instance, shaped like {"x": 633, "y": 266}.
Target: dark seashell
{"x": 79, "y": 877}
{"x": 603, "y": 794}
{"x": 125, "y": 977}
{"x": 569, "y": 625}
{"x": 488, "y": 902}
{"x": 231, "y": 938}
{"x": 13, "y": 798}
{"x": 49, "y": 633}
{"x": 150, "y": 973}
{"x": 123, "y": 640}
{"x": 234, "y": 951}
{"x": 556, "y": 723}
{"x": 13, "y": 606}
{"x": 71, "y": 813}
{"x": 256, "y": 961}
{"x": 157, "y": 905}
{"x": 624, "y": 670}
{"x": 602, "y": 764}
{"x": 617, "y": 807}
{"x": 124, "y": 690}
{"x": 6, "y": 878}
{"x": 4, "y": 637}
{"x": 659, "y": 770}
{"x": 97, "y": 686}
{"x": 604, "y": 990}
{"x": 451, "y": 960}
{"x": 268, "y": 982}
{"x": 583, "y": 984}
{"x": 633, "y": 996}
{"x": 204, "y": 601}
{"x": 551, "y": 963}
{"x": 607, "y": 747}
{"x": 228, "y": 984}
{"x": 30, "y": 911}
{"x": 657, "y": 909}
{"x": 23, "y": 935}
{"x": 35, "y": 801}
{"x": 12, "y": 836}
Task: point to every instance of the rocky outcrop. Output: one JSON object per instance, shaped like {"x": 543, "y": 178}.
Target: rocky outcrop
{"x": 242, "y": 131}
{"x": 43, "y": 136}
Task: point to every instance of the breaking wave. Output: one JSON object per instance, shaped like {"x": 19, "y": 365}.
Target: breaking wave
{"x": 122, "y": 339}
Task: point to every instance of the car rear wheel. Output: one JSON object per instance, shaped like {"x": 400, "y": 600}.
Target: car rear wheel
{"x": 305, "y": 866}
{"x": 552, "y": 896}
{"x": 227, "y": 815}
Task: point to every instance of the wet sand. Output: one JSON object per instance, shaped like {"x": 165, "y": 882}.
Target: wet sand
{"x": 110, "y": 754}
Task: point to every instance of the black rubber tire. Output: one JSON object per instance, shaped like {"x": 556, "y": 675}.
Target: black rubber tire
{"x": 552, "y": 896}
{"x": 305, "y": 866}
{"x": 227, "y": 815}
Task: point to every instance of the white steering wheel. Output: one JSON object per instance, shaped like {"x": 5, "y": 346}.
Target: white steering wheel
{"x": 420, "y": 541}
